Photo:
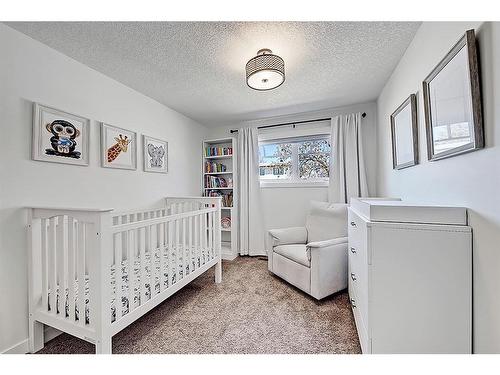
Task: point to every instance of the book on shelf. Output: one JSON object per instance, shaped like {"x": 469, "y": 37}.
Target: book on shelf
{"x": 213, "y": 167}
{"x": 215, "y": 182}
{"x": 227, "y": 196}
{"x": 218, "y": 151}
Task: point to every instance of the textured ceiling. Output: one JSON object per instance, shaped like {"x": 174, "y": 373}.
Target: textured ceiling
{"x": 198, "y": 68}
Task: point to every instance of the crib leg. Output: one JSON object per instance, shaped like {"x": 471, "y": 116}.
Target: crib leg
{"x": 103, "y": 346}
{"x": 218, "y": 271}
{"x": 36, "y": 336}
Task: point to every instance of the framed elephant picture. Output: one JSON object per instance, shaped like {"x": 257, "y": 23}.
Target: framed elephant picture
{"x": 118, "y": 147}
{"x": 155, "y": 155}
{"x": 60, "y": 137}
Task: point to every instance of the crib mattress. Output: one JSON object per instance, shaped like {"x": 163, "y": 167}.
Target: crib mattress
{"x": 197, "y": 261}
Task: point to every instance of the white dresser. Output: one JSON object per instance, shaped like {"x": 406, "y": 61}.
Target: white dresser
{"x": 410, "y": 277}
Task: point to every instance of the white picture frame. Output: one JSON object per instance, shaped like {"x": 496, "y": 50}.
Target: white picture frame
{"x": 453, "y": 103}
{"x": 118, "y": 147}
{"x": 404, "y": 134}
{"x": 59, "y": 136}
{"x": 155, "y": 154}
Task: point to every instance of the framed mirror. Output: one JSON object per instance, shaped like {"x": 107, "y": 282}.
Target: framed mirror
{"x": 404, "y": 130}
{"x": 452, "y": 102}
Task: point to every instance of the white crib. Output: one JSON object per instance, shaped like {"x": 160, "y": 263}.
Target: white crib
{"x": 92, "y": 272}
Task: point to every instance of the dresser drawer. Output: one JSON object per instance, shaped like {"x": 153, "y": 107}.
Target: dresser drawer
{"x": 358, "y": 264}
{"x": 361, "y": 327}
{"x": 358, "y": 285}
{"x": 357, "y": 234}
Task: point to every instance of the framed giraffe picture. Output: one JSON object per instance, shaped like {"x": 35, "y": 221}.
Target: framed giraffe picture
{"x": 155, "y": 154}
{"x": 118, "y": 147}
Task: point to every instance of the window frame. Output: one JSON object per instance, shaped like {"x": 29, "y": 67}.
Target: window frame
{"x": 294, "y": 180}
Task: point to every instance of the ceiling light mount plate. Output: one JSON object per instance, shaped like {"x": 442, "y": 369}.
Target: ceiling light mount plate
{"x": 265, "y": 71}
{"x": 264, "y": 51}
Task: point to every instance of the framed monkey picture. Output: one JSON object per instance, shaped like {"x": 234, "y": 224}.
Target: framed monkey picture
{"x": 155, "y": 154}
{"x": 60, "y": 137}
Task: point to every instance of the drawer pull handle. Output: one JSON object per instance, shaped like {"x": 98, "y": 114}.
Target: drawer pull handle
{"x": 353, "y": 303}
{"x": 353, "y": 276}
{"x": 353, "y": 224}
{"x": 353, "y": 250}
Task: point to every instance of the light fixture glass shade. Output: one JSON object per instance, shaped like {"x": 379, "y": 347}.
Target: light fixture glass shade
{"x": 265, "y": 71}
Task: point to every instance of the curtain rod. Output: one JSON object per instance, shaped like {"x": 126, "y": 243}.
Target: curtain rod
{"x": 363, "y": 115}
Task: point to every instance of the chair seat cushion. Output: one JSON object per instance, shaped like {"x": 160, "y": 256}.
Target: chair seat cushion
{"x": 296, "y": 252}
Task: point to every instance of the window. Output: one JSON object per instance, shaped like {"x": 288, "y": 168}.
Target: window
{"x": 275, "y": 161}
{"x": 296, "y": 161}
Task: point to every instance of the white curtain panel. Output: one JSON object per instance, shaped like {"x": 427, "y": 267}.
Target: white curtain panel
{"x": 347, "y": 167}
{"x": 251, "y": 226}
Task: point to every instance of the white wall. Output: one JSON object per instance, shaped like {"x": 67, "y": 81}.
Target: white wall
{"x": 470, "y": 180}
{"x": 288, "y": 206}
{"x": 32, "y": 72}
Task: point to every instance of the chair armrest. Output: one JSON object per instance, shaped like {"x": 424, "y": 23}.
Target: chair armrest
{"x": 326, "y": 243}
{"x": 285, "y": 236}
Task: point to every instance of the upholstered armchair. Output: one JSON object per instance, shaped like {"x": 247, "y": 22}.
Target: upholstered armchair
{"x": 314, "y": 257}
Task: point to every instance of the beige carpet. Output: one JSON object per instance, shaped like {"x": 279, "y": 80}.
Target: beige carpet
{"x": 251, "y": 311}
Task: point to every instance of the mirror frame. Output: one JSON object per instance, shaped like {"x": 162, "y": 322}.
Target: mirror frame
{"x": 412, "y": 101}
{"x": 469, "y": 41}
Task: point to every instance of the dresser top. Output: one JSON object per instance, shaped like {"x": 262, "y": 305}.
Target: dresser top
{"x": 396, "y": 210}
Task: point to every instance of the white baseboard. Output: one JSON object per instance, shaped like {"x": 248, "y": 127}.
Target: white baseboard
{"x": 20, "y": 348}
{"x": 229, "y": 256}
{"x": 23, "y": 347}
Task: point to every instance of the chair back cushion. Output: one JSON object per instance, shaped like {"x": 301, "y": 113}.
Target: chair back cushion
{"x": 326, "y": 221}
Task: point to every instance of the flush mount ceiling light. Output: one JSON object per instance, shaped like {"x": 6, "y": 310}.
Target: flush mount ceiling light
{"x": 265, "y": 71}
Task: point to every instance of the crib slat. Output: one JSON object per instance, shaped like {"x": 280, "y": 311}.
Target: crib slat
{"x": 210, "y": 235}
{"x": 196, "y": 239}
{"x": 214, "y": 236}
{"x": 190, "y": 244}
{"x": 205, "y": 238}
{"x": 200, "y": 235}
{"x": 169, "y": 252}
{"x": 185, "y": 261}
{"x": 124, "y": 249}
{"x": 117, "y": 244}
{"x": 152, "y": 266}
{"x": 152, "y": 250}
{"x": 52, "y": 265}
{"x": 71, "y": 268}
{"x": 177, "y": 251}
{"x": 142, "y": 251}
{"x": 131, "y": 276}
{"x": 45, "y": 290}
{"x": 161, "y": 233}
{"x": 61, "y": 259}
{"x": 82, "y": 231}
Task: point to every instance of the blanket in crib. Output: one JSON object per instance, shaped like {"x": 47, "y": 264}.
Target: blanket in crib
{"x": 196, "y": 261}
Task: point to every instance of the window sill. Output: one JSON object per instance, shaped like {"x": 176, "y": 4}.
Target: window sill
{"x": 283, "y": 184}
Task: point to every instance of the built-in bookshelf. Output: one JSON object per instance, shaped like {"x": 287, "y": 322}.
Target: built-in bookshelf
{"x": 219, "y": 179}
